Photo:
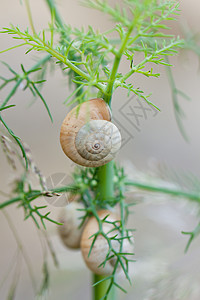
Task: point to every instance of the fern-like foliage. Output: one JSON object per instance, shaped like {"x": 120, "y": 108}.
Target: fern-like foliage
{"x": 94, "y": 57}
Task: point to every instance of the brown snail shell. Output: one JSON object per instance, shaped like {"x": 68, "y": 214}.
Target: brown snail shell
{"x": 100, "y": 247}
{"x": 87, "y": 136}
{"x": 69, "y": 231}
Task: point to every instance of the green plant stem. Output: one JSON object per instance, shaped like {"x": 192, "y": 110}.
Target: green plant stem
{"x": 174, "y": 192}
{"x": 118, "y": 56}
{"x": 106, "y": 191}
{"x": 55, "y": 12}
{"x": 30, "y": 16}
{"x": 9, "y": 202}
{"x": 36, "y": 194}
{"x": 99, "y": 289}
{"x": 105, "y": 176}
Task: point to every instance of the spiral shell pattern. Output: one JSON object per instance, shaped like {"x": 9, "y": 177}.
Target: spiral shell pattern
{"x": 98, "y": 140}
{"x": 88, "y": 137}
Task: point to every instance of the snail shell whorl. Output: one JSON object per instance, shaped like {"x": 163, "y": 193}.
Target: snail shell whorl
{"x": 98, "y": 141}
{"x": 87, "y": 136}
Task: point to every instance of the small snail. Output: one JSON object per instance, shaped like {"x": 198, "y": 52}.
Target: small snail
{"x": 100, "y": 247}
{"x": 69, "y": 232}
{"x": 87, "y": 136}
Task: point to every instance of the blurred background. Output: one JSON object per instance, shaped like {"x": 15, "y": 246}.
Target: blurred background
{"x": 162, "y": 270}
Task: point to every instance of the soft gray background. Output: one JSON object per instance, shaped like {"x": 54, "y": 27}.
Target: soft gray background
{"x": 161, "y": 261}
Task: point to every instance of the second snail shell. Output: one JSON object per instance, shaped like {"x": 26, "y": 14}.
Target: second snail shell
{"x": 87, "y": 136}
{"x": 100, "y": 248}
{"x": 70, "y": 231}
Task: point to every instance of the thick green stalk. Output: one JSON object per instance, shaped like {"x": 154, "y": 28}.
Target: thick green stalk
{"x": 100, "y": 289}
{"x": 106, "y": 190}
{"x": 105, "y": 176}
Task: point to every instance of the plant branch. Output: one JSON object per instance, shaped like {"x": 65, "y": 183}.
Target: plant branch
{"x": 179, "y": 114}
{"x": 33, "y": 194}
{"x": 21, "y": 78}
{"x": 55, "y": 12}
{"x": 118, "y": 56}
{"x": 158, "y": 189}
{"x": 30, "y": 16}
{"x": 41, "y": 45}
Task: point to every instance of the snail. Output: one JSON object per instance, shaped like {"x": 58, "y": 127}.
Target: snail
{"x": 69, "y": 231}
{"x": 87, "y": 136}
{"x": 100, "y": 248}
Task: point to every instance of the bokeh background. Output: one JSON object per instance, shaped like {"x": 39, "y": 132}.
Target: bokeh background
{"x": 162, "y": 270}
